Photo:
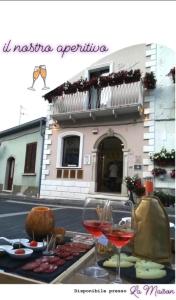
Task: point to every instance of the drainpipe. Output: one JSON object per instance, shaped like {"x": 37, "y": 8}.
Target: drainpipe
{"x": 42, "y": 133}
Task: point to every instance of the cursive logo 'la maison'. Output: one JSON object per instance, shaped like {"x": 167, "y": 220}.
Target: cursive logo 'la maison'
{"x": 150, "y": 290}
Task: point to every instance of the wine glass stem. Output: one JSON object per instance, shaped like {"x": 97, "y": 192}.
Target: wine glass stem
{"x": 33, "y": 83}
{"x": 44, "y": 81}
{"x": 118, "y": 278}
{"x": 96, "y": 251}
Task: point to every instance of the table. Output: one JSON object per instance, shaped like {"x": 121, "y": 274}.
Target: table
{"x": 72, "y": 275}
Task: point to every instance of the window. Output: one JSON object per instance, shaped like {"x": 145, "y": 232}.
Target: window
{"x": 30, "y": 159}
{"x": 70, "y": 151}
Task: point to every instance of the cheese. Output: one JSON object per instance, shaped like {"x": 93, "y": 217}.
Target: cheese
{"x": 150, "y": 273}
{"x": 123, "y": 256}
{"x": 132, "y": 258}
{"x": 144, "y": 264}
{"x": 113, "y": 264}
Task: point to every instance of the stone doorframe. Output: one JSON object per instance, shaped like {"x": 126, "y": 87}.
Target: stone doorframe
{"x": 125, "y": 151}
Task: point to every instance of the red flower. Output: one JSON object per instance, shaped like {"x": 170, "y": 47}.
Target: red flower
{"x": 158, "y": 171}
{"x": 172, "y": 174}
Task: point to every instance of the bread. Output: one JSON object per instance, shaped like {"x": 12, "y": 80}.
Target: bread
{"x": 59, "y": 230}
{"x": 144, "y": 264}
{"x": 59, "y": 233}
{"x": 150, "y": 273}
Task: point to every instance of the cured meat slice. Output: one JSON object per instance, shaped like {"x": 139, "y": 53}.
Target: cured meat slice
{"x": 42, "y": 259}
{"x": 54, "y": 259}
{"x": 41, "y": 268}
{"x": 76, "y": 253}
{"x": 78, "y": 249}
{"x": 50, "y": 269}
{"x": 60, "y": 262}
{"x": 81, "y": 245}
{"x": 69, "y": 257}
{"x": 30, "y": 266}
{"x": 64, "y": 254}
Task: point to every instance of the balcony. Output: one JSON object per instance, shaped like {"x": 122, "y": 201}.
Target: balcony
{"x": 109, "y": 101}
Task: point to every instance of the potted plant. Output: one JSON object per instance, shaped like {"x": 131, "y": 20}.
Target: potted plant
{"x": 149, "y": 81}
{"x": 104, "y": 81}
{"x": 172, "y": 74}
{"x": 172, "y": 174}
{"x": 165, "y": 198}
{"x": 134, "y": 185}
{"x": 159, "y": 172}
{"x": 163, "y": 157}
{"x": 139, "y": 189}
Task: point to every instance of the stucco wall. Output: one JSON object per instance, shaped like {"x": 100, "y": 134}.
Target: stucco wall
{"x": 15, "y": 145}
{"x": 132, "y": 57}
{"x": 128, "y": 132}
{"x": 164, "y": 110}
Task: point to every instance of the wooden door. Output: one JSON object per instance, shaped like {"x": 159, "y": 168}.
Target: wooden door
{"x": 11, "y": 165}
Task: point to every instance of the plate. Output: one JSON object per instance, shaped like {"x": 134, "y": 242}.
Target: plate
{"x": 21, "y": 241}
{"x": 40, "y": 246}
{"x": 130, "y": 275}
{"x": 28, "y": 253}
{"x": 13, "y": 241}
{"x": 4, "y": 248}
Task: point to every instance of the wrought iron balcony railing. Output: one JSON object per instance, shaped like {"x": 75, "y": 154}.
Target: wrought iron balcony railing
{"x": 111, "y": 97}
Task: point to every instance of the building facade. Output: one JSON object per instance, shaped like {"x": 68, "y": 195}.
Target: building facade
{"x": 105, "y": 123}
{"x": 21, "y": 154}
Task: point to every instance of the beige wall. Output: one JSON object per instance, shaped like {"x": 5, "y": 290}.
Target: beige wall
{"x": 131, "y": 133}
{"x": 127, "y": 58}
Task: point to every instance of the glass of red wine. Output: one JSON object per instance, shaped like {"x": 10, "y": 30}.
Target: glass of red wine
{"x": 119, "y": 233}
{"x": 93, "y": 217}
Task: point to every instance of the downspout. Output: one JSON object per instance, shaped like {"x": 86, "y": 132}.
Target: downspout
{"x": 42, "y": 133}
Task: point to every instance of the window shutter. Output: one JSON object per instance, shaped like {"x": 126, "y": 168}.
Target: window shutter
{"x": 33, "y": 157}
{"x": 30, "y": 158}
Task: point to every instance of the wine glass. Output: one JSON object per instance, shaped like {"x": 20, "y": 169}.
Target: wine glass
{"x": 117, "y": 232}
{"x": 36, "y": 74}
{"x": 93, "y": 216}
{"x": 43, "y": 74}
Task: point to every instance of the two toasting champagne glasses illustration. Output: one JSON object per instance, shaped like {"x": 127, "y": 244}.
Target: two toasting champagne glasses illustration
{"x": 39, "y": 70}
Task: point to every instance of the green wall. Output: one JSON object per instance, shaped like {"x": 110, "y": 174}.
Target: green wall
{"x": 15, "y": 145}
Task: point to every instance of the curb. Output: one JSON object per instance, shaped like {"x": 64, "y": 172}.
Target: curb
{"x": 63, "y": 201}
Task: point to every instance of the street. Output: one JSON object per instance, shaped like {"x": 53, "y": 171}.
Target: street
{"x": 13, "y": 215}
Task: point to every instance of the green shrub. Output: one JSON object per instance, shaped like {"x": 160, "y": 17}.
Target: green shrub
{"x": 166, "y": 199}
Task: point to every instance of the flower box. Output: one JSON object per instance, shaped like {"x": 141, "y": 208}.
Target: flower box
{"x": 164, "y": 157}
{"x": 164, "y": 162}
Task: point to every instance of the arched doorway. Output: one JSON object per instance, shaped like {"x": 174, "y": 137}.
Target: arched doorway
{"x": 9, "y": 173}
{"x": 110, "y": 165}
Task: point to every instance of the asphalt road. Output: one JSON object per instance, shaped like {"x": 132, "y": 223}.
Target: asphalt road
{"x": 13, "y": 215}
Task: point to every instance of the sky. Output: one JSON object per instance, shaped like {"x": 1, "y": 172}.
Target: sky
{"x": 116, "y": 24}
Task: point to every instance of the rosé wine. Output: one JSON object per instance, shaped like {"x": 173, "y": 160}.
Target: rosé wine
{"x": 94, "y": 227}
